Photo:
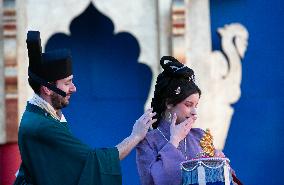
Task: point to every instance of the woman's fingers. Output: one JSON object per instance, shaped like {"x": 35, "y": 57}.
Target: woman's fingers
{"x": 219, "y": 153}
{"x": 174, "y": 119}
{"x": 187, "y": 125}
{"x": 190, "y": 122}
{"x": 186, "y": 122}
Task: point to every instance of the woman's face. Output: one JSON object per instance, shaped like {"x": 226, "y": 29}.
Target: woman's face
{"x": 186, "y": 108}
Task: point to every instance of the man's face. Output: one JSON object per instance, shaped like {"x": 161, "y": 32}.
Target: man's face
{"x": 66, "y": 85}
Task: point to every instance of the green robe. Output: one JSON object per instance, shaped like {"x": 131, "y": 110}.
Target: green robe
{"x": 51, "y": 155}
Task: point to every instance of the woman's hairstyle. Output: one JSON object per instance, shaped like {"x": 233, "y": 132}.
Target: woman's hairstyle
{"x": 173, "y": 85}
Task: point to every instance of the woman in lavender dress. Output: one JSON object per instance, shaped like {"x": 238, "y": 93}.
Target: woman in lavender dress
{"x": 173, "y": 139}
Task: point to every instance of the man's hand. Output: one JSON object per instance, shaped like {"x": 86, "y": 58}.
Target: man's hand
{"x": 141, "y": 126}
{"x": 139, "y": 131}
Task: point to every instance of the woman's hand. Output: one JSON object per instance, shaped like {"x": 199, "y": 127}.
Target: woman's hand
{"x": 180, "y": 131}
{"x": 141, "y": 126}
{"x": 219, "y": 153}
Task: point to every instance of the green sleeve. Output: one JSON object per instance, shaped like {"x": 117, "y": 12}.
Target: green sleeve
{"x": 52, "y": 155}
{"x": 109, "y": 168}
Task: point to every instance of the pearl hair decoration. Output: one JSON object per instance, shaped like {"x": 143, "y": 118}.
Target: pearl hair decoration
{"x": 178, "y": 90}
{"x": 177, "y": 68}
{"x": 191, "y": 78}
{"x": 166, "y": 61}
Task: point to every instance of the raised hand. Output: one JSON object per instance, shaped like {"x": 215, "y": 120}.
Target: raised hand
{"x": 180, "y": 131}
{"x": 219, "y": 153}
{"x": 139, "y": 131}
{"x": 141, "y": 126}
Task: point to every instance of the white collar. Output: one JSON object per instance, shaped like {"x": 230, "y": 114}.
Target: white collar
{"x": 40, "y": 102}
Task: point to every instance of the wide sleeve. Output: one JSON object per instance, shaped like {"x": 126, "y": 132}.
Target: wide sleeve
{"x": 54, "y": 156}
{"x": 161, "y": 167}
{"x": 107, "y": 162}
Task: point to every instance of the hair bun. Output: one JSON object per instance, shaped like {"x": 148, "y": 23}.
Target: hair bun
{"x": 173, "y": 68}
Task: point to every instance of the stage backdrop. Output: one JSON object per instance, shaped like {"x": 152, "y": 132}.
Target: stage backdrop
{"x": 255, "y": 139}
{"x": 112, "y": 86}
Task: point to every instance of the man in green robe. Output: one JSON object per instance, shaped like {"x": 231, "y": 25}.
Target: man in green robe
{"x": 50, "y": 154}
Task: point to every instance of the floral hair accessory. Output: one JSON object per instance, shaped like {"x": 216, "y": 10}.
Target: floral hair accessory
{"x": 192, "y": 77}
{"x": 178, "y": 90}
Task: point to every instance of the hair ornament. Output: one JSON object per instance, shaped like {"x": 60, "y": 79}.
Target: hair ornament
{"x": 178, "y": 90}
{"x": 192, "y": 77}
{"x": 166, "y": 61}
{"x": 177, "y": 68}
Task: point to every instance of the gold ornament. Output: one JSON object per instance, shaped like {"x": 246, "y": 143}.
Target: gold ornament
{"x": 206, "y": 144}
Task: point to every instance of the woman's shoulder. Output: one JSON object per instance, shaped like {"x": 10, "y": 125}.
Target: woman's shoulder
{"x": 197, "y": 132}
{"x": 151, "y": 138}
{"x": 152, "y": 135}
{"x": 152, "y": 132}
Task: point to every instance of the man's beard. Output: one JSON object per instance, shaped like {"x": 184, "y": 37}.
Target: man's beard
{"x": 58, "y": 102}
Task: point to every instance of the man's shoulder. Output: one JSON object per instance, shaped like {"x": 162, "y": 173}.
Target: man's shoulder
{"x": 33, "y": 118}
{"x": 32, "y": 123}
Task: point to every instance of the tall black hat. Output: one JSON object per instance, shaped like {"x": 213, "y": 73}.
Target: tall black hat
{"x": 47, "y": 67}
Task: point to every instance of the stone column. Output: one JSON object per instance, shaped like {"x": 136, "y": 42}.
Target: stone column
{"x": 2, "y": 85}
{"x": 22, "y": 57}
{"x": 218, "y": 74}
{"x": 162, "y": 37}
{"x": 164, "y": 28}
{"x": 198, "y": 49}
{"x": 198, "y": 32}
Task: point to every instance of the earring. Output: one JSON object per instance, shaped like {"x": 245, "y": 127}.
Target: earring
{"x": 170, "y": 116}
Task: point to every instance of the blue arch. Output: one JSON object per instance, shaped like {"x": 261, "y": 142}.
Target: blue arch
{"x": 112, "y": 86}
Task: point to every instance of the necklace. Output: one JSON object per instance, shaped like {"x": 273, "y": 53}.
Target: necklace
{"x": 185, "y": 150}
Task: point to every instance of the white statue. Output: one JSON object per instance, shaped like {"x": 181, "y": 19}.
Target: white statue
{"x": 218, "y": 73}
{"x": 221, "y": 84}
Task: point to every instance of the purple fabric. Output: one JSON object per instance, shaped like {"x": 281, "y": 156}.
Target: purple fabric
{"x": 158, "y": 161}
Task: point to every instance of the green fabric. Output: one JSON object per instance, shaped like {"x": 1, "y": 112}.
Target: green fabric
{"x": 51, "y": 155}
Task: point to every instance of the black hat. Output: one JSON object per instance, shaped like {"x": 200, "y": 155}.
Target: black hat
{"x": 56, "y": 64}
{"x": 47, "y": 67}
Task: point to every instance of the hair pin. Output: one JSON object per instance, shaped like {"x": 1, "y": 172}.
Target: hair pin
{"x": 191, "y": 78}
{"x": 178, "y": 90}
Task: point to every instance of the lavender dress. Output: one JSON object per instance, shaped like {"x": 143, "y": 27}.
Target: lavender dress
{"x": 158, "y": 161}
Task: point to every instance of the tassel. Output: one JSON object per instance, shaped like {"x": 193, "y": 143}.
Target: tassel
{"x": 201, "y": 175}
{"x": 226, "y": 175}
